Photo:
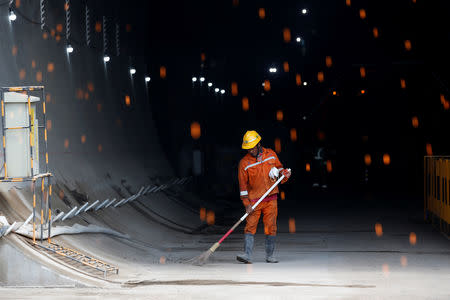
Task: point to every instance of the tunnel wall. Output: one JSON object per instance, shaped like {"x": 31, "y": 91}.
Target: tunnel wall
{"x": 93, "y": 136}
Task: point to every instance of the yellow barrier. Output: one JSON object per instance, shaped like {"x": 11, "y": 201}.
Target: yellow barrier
{"x": 437, "y": 189}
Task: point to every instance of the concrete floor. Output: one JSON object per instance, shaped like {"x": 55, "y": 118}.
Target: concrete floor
{"x": 330, "y": 256}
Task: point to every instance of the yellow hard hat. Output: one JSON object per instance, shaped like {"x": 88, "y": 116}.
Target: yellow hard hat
{"x": 250, "y": 140}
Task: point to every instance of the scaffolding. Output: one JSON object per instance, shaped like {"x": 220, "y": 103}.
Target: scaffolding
{"x": 30, "y": 126}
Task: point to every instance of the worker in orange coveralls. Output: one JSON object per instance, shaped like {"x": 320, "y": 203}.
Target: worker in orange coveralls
{"x": 258, "y": 171}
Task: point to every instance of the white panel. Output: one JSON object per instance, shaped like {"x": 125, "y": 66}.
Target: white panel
{"x": 17, "y": 140}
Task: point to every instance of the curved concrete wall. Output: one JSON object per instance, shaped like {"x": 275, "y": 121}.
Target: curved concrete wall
{"x": 120, "y": 153}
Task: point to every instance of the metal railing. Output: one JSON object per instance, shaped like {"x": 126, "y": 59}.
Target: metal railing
{"x": 437, "y": 191}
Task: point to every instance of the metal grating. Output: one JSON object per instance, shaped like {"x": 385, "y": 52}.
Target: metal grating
{"x": 80, "y": 258}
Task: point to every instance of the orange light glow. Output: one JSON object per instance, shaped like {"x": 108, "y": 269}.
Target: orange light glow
{"x": 266, "y": 85}
{"x": 98, "y": 26}
{"x": 203, "y": 56}
{"x": 363, "y": 92}
{"x": 443, "y": 99}
{"x": 90, "y": 86}
{"x": 83, "y": 139}
{"x": 262, "y": 13}
{"x": 210, "y": 217}
{"x": 22, "y": 74}
{"x": 362, "y": 13}
{"x": 99, "y": 107}
{"x": 286, "y": 66}
{"x": 415, "y": 122}
{"x": 375, "y": 32}
{"x": 293, "y": 134}
{"x": 348, "y": 2}
{"x": 334, "y": 93}
{"x": 49, "y": 125}
{"x": 403, "y": 83}
{"x": 320, "y": 77}
{"x": 328, "y": 61}
{"x": 412, "y": 238}
{"x": 58, "y": 38}
{"x": 279, "y": 115}
{"x": 408, "y": 45}
{"x": 14, "y": 50}
{"x": 48, "y": 98}
{"x": 99, "y": 148}
{"x": 403, "y": 261}
{"x": 80, "y": 94}
{"x": 329, "y": 166}
{"x": 17, "y": 3}
{"x": 292, "y": 225}
{"x": 50, "y": 67}
{"x": 66, "y": 6}
{"x": 378, "y": 229}
{"x": 429, "y": 149}
{"x": 446, "y": 105}
{"x": 162, "y": 260}
{"x": 59, "y": 27}
{"x": 287, "y": 35}
{"x": 234, "y": 88}
{"x": 277, "y": 144}
{"x": 202, "y": 213}
{"x": 321, "y": 135}
{"x": 66, "y": 143}
{"x": 298, "y": 79}
{"x": 127, "y": 100}
{"x": 385, "y": 269}
{"x": 245, "y": 104}
{"x": 195, "y": 130}
{"x": 33, "y": 64}
{"x": 362, "y": 72}
{"x": 282, "y": 195}
{"x": 162, "y": 72}
{"x": 235, "y": 3}
{"x": 52, "y": 32}
{"x": 38, "y": 76}
{"x": 45, "y": 35}
{"x": 386, "y": 159}
{"x": 86, "y": 96}
{"x": 128, "y": 28}
{"x": 367, "y": 159}
{"x": 308, "y": 167}
{"x": 61, "y": 194}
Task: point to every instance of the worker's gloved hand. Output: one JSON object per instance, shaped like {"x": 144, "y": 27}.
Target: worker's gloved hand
{"x": 249, "y": 209}
{"x": 274, "y": 173}
{"x": 286, "y": 173}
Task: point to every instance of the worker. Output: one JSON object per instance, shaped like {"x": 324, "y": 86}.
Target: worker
{"x": 258, "y": 171}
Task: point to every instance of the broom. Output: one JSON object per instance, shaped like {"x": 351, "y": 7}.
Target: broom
{"x": 203, "y": 258}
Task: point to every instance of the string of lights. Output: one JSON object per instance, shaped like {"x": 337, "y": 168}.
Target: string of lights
{"x": 69, "y": 39}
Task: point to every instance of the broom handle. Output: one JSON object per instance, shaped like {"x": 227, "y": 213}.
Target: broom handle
{"x": 253, "y": 207}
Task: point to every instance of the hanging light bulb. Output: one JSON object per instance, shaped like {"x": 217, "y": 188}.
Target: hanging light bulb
{"x": 106, "y": 58}
{"x": 194, "y": 79}
{"x": 147, "y": 78}
{"x": 69, "y": 48}
{"x": 210, "y": 84}
{"x": 216, "y": 90}
{"x": 12, "y": 15}
{"x": 132, "y": 71}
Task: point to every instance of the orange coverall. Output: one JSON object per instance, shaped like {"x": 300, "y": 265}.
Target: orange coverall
{"x": 254, "y": 181}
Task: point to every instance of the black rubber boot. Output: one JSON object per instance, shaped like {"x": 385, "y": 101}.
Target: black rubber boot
{"x": 270, "y": 247}
{"x": 248, "y": 248}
